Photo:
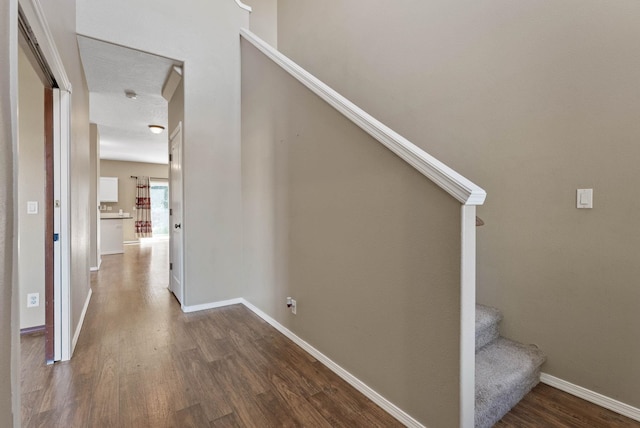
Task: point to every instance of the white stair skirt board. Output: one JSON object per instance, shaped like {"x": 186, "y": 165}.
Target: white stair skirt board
{"x": 591, "y": 396}
{"x": 76, "y": 335}
{"x": 385, "y": 404}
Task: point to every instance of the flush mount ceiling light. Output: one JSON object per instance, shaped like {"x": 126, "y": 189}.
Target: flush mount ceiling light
{"x": 156, "y": 129}
{"x": 131, "y": 94}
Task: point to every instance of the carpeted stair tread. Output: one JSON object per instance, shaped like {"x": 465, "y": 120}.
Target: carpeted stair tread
{"x": 487, "y": 319}
{"x": 505, "y": 372}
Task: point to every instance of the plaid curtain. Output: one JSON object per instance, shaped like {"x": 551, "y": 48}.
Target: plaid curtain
{"x": 143, "y": 208}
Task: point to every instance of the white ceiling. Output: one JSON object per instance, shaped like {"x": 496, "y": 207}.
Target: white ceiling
{"x": 122, "y": 122}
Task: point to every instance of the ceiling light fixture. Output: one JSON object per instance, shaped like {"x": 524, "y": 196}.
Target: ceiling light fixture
{"x": 156, "y": 129}
{"x": 131, "y": 94}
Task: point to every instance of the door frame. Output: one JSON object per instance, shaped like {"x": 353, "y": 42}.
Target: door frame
{"x": 34, "y": 15}
{"x": 176, "y": 131}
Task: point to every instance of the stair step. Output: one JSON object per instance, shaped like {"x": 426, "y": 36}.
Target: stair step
{"x": 487, "y": 319}
{"x": 505, "y": 372}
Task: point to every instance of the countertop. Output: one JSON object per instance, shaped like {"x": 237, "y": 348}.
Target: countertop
{"x": 115, "y": 216}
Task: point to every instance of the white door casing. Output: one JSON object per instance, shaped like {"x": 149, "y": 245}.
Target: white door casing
{"x": 176, "y": 234}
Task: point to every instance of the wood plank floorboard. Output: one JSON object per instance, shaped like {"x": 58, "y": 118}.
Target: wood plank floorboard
{"x": 141, "y": 362}
{"x": 546, "y": 406}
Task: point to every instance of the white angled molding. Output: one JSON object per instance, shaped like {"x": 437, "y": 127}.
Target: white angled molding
{"x": 591, "y": 396}
{"x": 243, "y": 6}
{"x": 455, "y": 184}
{"x": 36, "y": 18}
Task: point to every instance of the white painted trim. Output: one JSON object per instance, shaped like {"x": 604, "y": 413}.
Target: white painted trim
{"x": 63, "y": 184}
{"x": 591, "y": 396}
{"x": 36, "y": 17}
{"x": 97, "y": 268}
{"x": 467, "y": 316}
{"x": 81, "y": 321}
{"x": 455, "y": 184}
{"x": 213, "y": 305}
{"x": 57, "y": 226}
{"x": 243, "y": 6}
{"x": 385, "y": 404}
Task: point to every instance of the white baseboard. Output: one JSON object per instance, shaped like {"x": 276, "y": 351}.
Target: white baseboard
{"x": 213, "y": 305}
{"x": 97, "y": 268}
{"x": 385, "y": 404}
{"x": 76, "y": 335}
{"x": 591, "y": 396}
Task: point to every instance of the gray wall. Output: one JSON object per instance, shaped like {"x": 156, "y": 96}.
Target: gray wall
{"x": 204, "y": 36}
{"x": 531, "y": 100}
{"x": 127, "y": 188}
{"x": 264, "y": 20}
{"x": 368, "y": 247}
{"x": 31, "y": 182}
{"x": 9, "y": 313}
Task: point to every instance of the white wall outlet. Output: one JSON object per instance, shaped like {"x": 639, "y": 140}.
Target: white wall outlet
{"x": 33, "y": 300}
{"x": 289, "y": 299}
{"x": 294, "y": 307}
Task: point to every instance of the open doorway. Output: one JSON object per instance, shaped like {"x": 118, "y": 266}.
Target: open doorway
{"x": 43, "y": 191}
{"x": 132, "y": 107}
{"x": 32, "y": 213}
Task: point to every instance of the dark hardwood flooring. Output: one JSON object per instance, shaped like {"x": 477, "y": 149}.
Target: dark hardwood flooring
{"x": 546, "y": 406}
{"x": 141, "y": 362}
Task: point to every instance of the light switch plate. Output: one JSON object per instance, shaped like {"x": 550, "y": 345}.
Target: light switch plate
{"x": 584, "y": 198}
{"x": 32, "y": 207}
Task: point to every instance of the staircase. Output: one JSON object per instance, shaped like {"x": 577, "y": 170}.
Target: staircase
{"x": 505, "y": 370}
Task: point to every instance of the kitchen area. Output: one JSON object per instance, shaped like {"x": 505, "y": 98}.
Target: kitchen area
{"x": 111, "y": 223}
{"x": 117, "y": 203}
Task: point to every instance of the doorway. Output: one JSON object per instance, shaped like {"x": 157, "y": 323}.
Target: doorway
{"x": 45, "y": 202}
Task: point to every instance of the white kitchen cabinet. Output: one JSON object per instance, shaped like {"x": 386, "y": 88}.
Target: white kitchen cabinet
{"x": 108, "y": 189}
{"x": 111, "y": 241}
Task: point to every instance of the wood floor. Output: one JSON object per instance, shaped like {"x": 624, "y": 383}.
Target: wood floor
{"x": 141, "y": 362}
{"x": 546, "y": 406}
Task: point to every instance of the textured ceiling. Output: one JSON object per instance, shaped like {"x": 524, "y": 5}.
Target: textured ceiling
{"x": 122, "y": 122}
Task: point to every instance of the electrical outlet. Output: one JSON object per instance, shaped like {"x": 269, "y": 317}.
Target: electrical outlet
{"x": 294, "y": 307}
{"x": 33, "y": 300}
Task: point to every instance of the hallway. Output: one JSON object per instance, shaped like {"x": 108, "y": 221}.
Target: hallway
{"x": 141, "y": 362}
